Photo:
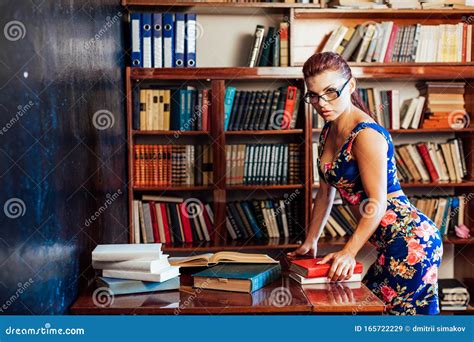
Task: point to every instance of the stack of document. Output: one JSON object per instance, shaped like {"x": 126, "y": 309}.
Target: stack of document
{"x": 132, "y": 268}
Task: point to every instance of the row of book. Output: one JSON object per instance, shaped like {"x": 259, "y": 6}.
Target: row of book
{"x": 431, "y": 162}
{"x": 187, "y": 109}
{"x": 446, "y": 212}
{"x": 171, "y": 220}
{"x": 263, "y": 164}
{"x": 439, "y": 105}
{"x": 389, "y": 42}
{"x": 445, "y": 105}
{"x": 423, "y": 162}
{"x": 263, "y": 219}
{"x": 453, "y": 295}
{"x": 130, "y": 268}
{"x": 261, "y": 110}
{"x": 163, "y": 39}
{"x": 400, "y": 4}
{"x": 271, "y": 49}
{"x": 171, "y": 165}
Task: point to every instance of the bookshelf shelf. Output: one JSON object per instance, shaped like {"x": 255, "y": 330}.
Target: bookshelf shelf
{"x": 429, "y": 185}
{"x": 265, "y": 132}
{"x": 327, "y": 13}
{"x": 421, "y": 130}
{"x": 171, "y": 133}
{"x": 154, "y": 3}
{"x": 265, "y": 187}
{"x": 171, "y": 188}
{"x": 386, "y": 71}
{"x": 234, "y": 245}
{"x": 280, "y": 243}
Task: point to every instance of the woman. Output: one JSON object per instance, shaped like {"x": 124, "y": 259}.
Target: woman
{"x": 360, "y": 164}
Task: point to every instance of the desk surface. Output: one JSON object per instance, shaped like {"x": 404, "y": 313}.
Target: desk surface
{"x": 283, "y": 296}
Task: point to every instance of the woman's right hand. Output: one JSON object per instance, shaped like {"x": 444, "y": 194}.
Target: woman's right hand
{"x": 306, "y": 248}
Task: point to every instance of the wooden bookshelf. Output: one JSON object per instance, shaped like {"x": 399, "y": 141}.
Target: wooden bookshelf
{"x": 362, "y": 71}
{"x": 218, "y": 78}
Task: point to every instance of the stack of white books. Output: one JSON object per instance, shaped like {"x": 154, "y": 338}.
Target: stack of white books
{"x": 144, "y": 262}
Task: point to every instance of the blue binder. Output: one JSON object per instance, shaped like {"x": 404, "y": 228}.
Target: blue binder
{"x": 168, "y": 36}
{"x": 135, "y": 30}
{"x": 191, "y": 40}
{"x": 146, "y": 40}
{"x": 157, "y": 40}
{"x": 179, "y": 31}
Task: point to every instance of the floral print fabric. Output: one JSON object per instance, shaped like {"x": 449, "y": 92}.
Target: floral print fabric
{"x": 409, "y": 245}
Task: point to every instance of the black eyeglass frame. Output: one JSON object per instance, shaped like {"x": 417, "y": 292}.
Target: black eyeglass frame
{"x": 308, "y": 97}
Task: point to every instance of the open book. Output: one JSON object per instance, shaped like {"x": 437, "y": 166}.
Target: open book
{"x": 215, "y": 258}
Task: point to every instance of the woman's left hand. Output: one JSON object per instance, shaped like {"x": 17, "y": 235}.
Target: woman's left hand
{"x": 342, "y": 267}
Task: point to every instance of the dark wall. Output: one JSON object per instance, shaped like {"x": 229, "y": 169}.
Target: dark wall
{"x": 62, "y": 147}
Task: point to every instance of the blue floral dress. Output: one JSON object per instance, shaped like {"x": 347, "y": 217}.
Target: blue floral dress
{"x": 409, "y": 245}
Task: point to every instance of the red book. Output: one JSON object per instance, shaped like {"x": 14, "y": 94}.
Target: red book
{"x": 154, "y": 222}
{"x": 188, "y": 235}
{"x": 424, "y": 153}
{"x": 289, "y": 107}
{"x": 165, "y": 222}
{"x": 309, "y": 268}
{"x": 391, "y": 44}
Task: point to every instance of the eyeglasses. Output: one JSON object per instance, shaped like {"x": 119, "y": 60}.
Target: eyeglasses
{"x": 313, "y": 98}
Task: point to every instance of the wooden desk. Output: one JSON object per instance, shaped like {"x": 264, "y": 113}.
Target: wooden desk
{"x": 283, "y": 296}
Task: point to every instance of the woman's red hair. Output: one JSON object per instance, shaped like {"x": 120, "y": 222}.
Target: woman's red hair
{"x": 324, "y": 61}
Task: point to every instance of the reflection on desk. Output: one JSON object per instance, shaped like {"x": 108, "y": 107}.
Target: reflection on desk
{"x": 352, "y": 297}
{"x": 283, "y": 296}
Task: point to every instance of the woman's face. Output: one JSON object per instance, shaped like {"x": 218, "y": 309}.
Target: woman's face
{"x": 328, "y": 82}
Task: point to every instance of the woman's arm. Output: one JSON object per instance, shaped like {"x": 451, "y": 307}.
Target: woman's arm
{"x": 370, "y": 151}
{"x": 321, "y": 210}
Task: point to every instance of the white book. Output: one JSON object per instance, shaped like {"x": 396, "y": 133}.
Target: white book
{"x": 407, "y": 115}
{"x": 364, "y": 46}
{"x": 386, "y": 37}
{"x": 164, "y": 275}
{"x": 419, "y": 164}
{"x": 120, "y": 252}
{"x": 336, "y": 226}
{"x": 283, "y": 218}
{"x": 418, "y": 111}
{"x": 137, "y": 265}
{"x": 136, "y": 222}
{"x": 469, "y": 46}
{"x": 322, "y": 280}
{"x": 456, "y": 159}
{"x": 395, "y": 109}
